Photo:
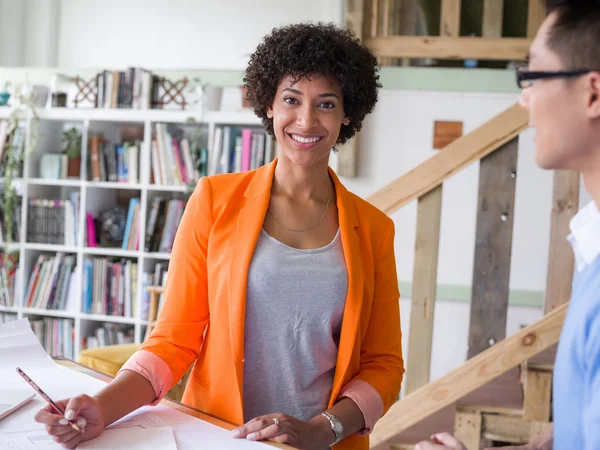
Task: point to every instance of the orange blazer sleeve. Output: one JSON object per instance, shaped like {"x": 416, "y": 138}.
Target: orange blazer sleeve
{"x": 381, "y": 363}
{"x": 178, "y": 335}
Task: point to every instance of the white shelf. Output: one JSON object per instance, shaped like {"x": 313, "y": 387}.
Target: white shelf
{"x": 156, "y": 255}
{"x": 166, "y": 188}
{"x": 96, "y": 197}
{"x": 111, "y": 319}
{"x": 49, "y": 312}
{"x": 243, "y": 117}
{"x": 47, "y": 182}
{"x": 101, "y": 251}
{"x": 50, "y": 247}
{"x": 113, "y": 185}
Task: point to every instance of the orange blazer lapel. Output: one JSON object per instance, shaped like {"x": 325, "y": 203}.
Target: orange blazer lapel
{"x": 351, "y": 244}
{"x": 247, "y": 231}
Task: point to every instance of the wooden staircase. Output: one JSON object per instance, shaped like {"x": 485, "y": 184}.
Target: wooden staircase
{"x": 502, "y": 393}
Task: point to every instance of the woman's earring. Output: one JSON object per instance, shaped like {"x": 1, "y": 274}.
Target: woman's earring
{"x": 335, "y": 149}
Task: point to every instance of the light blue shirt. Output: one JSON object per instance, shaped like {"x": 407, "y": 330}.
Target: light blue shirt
{"x": 576, "y": 402}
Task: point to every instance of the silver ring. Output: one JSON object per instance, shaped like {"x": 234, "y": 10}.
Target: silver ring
{"x": 276, "y": 420}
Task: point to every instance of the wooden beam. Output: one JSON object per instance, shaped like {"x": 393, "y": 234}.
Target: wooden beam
{"x": 348, "y": 155}
{"x": 537, "y": 428}
{"x": 537, "y": 394}
{"x": 453, "y": 158}
{"x": 407, "y": 14}
{"x": 429, "y": 212}
{"x": 467, "y": 428}
{"x": 475, "y": 373}
{"x": 348, "y": 158}
{"x": 450, "y": 18}
{"x": 355, "y": 16}
{"x": 493, "y": 11}
{"x": 536, "y": 14}
{"x": 467, "y": 47}
{"x": 505, "y": 428}
{"x": 561, "y": 260}
{"x": 493, "y": 245}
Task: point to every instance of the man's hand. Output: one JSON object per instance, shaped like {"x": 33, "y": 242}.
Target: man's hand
{"x": 313, "y": 434}
{"x": 441, "y": 441}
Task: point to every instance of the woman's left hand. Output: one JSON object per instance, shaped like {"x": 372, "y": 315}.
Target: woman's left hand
{"x": 313, "y": 434}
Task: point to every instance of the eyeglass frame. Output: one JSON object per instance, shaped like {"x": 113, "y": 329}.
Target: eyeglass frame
{"x": 524, "y": 75}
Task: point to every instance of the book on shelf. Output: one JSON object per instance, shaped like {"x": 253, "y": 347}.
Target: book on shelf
{"x": 134, "y": 88}
{"x": 163, "y": 221}
{"x": 177, "y": 159}
{"x": 52, "y": 284}
{"x": 109, "y": 334}
{"x": 55, "y": 335}
{"x": 131, "y": 237}
{"x": 54, "y": 166}
{"x": 8, "y": 278}
{"x": 239, "y": 149}
{"x": 114, "y": 162}
{"x": 53, "y": 221}
{"x": 109, "y": 287}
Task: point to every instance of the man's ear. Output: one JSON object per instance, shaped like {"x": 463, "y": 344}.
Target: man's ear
{"x": 593, "y": 104}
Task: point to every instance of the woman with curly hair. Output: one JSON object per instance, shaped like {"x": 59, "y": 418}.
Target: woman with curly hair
{"x": 282, "y": 287}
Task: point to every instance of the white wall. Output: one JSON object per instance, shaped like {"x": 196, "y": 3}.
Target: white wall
{"x": 29, "y": 32}
{"x": 451, "y": 331}
{"x": 176, "y": 34}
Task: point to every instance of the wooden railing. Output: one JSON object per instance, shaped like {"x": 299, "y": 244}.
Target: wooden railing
{"x": 388, "y": 28}
{"x": 477, "y": 372}
{"x": 495, "y": 146}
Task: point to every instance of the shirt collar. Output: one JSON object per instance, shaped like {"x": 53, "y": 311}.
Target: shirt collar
{"x": 585, "y": 235}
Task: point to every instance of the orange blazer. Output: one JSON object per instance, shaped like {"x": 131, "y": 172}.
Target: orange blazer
{"x": 202, "y": 319}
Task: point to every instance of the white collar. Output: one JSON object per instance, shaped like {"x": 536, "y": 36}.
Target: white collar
{"x": 585, "y": 235}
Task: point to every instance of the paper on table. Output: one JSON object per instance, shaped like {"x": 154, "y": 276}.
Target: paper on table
{"x": 19, "y": 431}
{"x": 132, "y": 439}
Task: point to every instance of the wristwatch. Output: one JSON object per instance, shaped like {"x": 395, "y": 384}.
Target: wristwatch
{"x": 336, "y": 426}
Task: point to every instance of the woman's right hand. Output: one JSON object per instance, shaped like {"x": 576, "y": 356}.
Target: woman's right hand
{"x": 86, "y": 412}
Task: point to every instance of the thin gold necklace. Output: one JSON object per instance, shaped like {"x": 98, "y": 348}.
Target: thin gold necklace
{"x": 309, "y": 228}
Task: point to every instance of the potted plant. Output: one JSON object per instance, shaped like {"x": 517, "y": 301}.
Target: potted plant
{"x": 72, "y": 148}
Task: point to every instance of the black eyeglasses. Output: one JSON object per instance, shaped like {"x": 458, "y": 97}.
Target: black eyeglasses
{"x": 525, "y": 78}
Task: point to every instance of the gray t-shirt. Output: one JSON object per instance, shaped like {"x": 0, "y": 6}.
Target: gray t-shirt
{"x": 294, "y": 309}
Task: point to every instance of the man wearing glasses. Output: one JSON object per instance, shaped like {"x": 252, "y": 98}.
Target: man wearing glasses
{"x": 561, "y": 91}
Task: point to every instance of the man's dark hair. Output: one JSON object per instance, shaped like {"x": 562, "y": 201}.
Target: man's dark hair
{"x": 575, "y": 36}
{"x": 314, "y": 49}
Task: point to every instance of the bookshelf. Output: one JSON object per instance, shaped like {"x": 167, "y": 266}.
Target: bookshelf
{"x": 94, "y": 197}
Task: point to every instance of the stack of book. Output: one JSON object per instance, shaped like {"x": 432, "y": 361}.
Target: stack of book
{"x": 109, "y": 334}
{"x": 114, "y": 162}
{"x": 8, "y": 279}
{"x": 52, "y": 284}
{"x": 109, "y": 287}
{"x": 163, "y": 221}
{"x": 135, "y": 88}
{"x": 53, "y": 221}
{"x": 55, "y": 335}
{"x": 176, "y": 160}
{"x": 239, "y": 150}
